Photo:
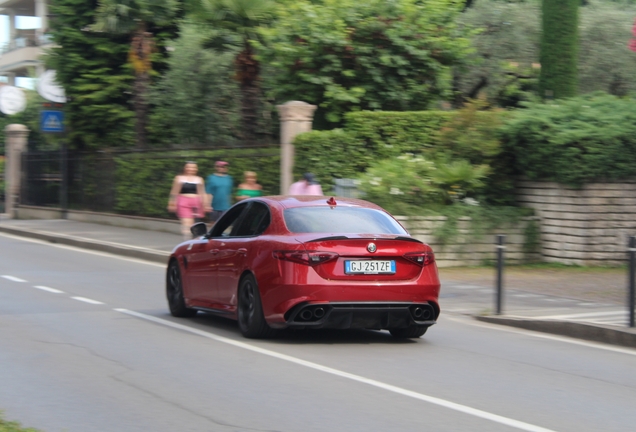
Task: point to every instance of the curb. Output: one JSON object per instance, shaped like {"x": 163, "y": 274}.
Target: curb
{"x": 597, "y": 333}
{"x": 81, "y": 242}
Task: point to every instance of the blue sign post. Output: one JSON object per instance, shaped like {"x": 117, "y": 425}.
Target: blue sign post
{"x": 51, "y": 121}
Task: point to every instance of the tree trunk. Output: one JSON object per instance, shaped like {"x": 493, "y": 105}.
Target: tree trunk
{"x": 248, "y": 74}
{"x": 140, "y": 51}
{"x": 140, "y": 103}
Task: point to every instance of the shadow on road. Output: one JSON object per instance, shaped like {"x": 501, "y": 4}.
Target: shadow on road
{"x": 216, "y": 324}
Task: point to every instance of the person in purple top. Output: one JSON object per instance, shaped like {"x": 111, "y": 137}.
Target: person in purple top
{"x": 308, "y": 185}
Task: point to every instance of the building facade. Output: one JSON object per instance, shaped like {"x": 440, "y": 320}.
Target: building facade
{"x": 19, "y": 57}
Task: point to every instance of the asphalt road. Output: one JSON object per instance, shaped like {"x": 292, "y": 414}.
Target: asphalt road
{"x": 87, "y": 344}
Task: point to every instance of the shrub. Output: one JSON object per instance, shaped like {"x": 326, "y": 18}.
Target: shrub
{"x": 368, "y": 137}
{"x": 11, "y": 426}
{"x": 372, "y": 138}
{"x": 575, "y": 140}
{"x": 408, "y": 182}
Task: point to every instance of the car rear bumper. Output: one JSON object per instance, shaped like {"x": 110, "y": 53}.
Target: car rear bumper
{"x": 367, "y": 315}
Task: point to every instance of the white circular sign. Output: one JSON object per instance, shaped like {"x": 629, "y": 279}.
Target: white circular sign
{"x": 49, "y": 89}
{"x": 12, "y": 100}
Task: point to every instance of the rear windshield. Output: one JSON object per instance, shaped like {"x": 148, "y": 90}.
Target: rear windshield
{"x": 352, "y": 220}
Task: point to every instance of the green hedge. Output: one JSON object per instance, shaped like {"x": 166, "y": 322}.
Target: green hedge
{"x": 369, "y": 136}
{"x": 574, "y": 141}
{"x": 144, "y": 179}
{"x": 393, "y": 133}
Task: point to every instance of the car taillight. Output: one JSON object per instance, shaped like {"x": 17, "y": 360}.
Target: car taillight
{"x": 307, "y": 258}
{"x": 421, "y": 258}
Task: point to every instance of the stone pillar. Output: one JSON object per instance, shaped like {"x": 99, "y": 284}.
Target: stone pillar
{"x": 41, "y": 11}
{"x": 295, "y": 118}
{"x": 12, "y": 29}
{"x": 15, "y": 143}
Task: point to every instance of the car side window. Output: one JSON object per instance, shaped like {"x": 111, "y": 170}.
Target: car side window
{"x": 255, "y": 220}
{"x": 224, "y": 226}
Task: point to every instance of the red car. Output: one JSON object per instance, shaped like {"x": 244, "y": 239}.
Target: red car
{"x": 306, "y": 262}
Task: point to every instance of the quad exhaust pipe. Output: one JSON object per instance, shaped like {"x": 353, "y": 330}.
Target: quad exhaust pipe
{"x": 311, "y": 314}
{"x": 422, "y": 313}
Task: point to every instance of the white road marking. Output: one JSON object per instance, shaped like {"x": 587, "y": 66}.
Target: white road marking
{"x": 539, "y": 335}
{"x": 82, "y": 250}
{"x": 13, "y": 278}
{"x": 615, "y": 320}
{"x": 45, "y": 288}
{"x": 464, "y": 286}
{"x": 87, "y": 300}
{"x": 420, "y": 396}
{"x": 582, "y": 315}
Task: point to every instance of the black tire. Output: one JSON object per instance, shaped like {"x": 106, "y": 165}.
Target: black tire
{"x": 412, "y": 332}
{"x": 251, "y": 320}
{"x": 174, "y": 293}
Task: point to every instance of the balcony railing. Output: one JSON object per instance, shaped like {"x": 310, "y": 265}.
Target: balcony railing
{"x": 26, "y": 41}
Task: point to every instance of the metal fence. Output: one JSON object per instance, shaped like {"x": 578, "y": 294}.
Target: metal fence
{"x": 98, "y": 181}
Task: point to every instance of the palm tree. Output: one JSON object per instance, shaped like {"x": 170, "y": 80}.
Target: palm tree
{"x": 242, "y": 18}
{"x": 133, "y": 17}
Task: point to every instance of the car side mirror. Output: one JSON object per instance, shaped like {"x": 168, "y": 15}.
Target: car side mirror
{"x": 199, "y": 229}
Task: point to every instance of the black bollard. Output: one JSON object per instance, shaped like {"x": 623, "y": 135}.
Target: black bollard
{"x": 500, "y": 265}
{"x": 64, "y": 182}
{"x": 632, "y": 267}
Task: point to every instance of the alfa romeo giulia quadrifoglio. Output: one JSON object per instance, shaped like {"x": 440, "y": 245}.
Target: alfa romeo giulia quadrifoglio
{"x": 306, "y": 262}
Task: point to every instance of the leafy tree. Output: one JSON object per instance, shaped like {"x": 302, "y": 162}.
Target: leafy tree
{"x": 348, "y": 55}
{"x": 504, "y": 65}
{"x": 133, "y": 19}
{"x": 605, "y": 62}
{"x": 559, "y": 48}
{"x": 196, "y": 101}
{"x": 92, "y": 69}
{"x": 239, "y": 21}
{"x": 506, "y": 58}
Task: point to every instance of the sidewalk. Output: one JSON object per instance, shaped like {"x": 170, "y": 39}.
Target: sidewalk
{"x": 582, "y": 303}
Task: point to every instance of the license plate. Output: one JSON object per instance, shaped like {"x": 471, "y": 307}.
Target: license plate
{"x": 370, "y": 267}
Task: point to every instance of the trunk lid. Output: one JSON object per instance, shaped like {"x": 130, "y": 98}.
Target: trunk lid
{"x": 361, "y": 257}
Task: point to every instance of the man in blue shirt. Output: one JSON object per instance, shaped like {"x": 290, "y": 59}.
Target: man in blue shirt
{"x": 218, "y": 188}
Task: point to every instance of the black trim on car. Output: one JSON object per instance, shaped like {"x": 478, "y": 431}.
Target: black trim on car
{"x": 368, "y": 315}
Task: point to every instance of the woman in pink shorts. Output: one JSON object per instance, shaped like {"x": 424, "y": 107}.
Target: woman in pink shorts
{"x": 187, "y": 198}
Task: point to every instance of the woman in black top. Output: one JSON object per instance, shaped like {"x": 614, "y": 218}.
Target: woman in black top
{"x": 187, "y": 197}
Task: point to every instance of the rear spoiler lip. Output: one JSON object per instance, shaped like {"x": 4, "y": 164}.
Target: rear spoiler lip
{"x": 342, "y": 237}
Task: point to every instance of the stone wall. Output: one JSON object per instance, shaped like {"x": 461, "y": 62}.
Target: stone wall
{"x": 467, "y": 248}
{"x": 587, "y": 226}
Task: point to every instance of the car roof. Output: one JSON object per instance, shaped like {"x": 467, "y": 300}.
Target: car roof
{"x": 293, "y": 201}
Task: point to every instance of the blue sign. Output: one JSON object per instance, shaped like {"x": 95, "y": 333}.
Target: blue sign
{"x": 52, "y": 121}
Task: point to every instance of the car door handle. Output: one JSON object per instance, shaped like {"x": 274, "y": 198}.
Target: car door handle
{"x": 214, "y": 251}
{"x": 242, "y": 251}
